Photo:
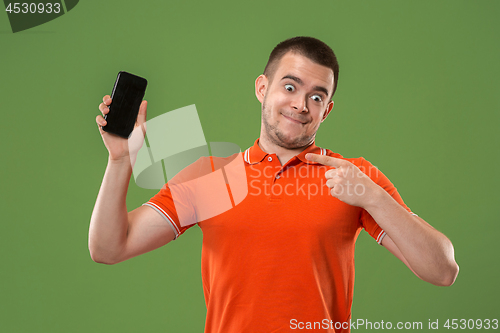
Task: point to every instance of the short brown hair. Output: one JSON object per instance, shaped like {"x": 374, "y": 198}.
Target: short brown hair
{"x": 309, "y": 47}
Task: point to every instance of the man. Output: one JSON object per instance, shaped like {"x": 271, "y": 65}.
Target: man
{"x": 285, "y": 254}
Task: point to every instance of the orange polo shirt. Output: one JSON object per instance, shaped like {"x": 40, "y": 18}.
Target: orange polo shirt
{"x": 284, "y": 255}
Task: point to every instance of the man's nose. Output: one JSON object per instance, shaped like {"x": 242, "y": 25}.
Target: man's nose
{"x": 299, "y": 103}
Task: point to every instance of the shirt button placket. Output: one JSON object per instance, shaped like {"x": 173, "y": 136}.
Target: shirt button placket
{"x": 274, "y": 191}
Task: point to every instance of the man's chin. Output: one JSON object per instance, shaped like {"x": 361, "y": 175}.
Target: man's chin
{"x": 291, "y": 142}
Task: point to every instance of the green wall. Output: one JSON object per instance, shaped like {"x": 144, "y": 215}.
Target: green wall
{"x": 417, "y": 96}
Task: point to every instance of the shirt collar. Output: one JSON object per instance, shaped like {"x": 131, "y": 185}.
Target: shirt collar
{"x": 254, "y": 154}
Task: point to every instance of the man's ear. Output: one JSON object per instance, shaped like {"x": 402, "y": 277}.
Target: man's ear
{"x": 261, "y": 84}
{"x": 329, "y": 108}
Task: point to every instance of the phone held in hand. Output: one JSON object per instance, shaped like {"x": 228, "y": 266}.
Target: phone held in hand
{"x": 126, "y": 99}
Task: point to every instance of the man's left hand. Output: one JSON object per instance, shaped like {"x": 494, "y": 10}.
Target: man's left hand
{"x": 347, "y": 182}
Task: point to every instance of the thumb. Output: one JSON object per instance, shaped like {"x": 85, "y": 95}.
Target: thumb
{"x": 141, "y": 117}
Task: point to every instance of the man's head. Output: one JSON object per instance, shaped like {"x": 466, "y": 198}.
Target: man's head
{"x": 309, "y": 47}
{"x": 295, "y": 91}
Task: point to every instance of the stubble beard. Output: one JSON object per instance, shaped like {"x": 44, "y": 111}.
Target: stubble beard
{"x": 278, "y": 137}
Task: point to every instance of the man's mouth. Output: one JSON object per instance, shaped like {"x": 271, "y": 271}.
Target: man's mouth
{"x": 297, "y": 121}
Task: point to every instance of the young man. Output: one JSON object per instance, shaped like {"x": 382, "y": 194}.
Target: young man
{"x": 285, "y": 254}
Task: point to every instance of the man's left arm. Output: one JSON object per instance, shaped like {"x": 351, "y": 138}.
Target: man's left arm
{"x": 426, "y": 251}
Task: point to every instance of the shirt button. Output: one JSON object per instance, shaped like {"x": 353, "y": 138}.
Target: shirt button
{"x": 278, "y": 176}
{"x": 269, "y": 158}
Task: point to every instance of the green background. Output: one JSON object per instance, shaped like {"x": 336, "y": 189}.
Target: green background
{"x": 417, "y": 97}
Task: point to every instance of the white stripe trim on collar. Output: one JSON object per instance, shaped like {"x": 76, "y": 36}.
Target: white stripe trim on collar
{"x": 247, "y": 155}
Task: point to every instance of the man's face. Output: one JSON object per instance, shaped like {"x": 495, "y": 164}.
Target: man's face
{"x": 296, "y": 101}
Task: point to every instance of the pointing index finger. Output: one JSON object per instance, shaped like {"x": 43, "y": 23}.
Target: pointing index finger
{"x": 325, "y": 160}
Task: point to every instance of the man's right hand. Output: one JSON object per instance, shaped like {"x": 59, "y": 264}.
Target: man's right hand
{"x": 120, "y": 148}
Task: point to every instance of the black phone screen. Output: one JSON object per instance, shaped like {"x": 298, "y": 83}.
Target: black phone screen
{"x": 126, "y": 99}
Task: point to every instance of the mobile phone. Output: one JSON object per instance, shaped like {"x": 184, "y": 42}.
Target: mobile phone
{"x": 126, "y": 99}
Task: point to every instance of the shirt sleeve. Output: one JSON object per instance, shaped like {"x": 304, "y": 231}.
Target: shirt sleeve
{"x": 176, "y": 201}
{"x": 380, "y": 179}
{"x": 163, "y": 203}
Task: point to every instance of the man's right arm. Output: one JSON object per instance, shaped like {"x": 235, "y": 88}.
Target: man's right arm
{"x": 116, "y": 235}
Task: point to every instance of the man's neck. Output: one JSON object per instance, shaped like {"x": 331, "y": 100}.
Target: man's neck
{"x": 284, "y": 154}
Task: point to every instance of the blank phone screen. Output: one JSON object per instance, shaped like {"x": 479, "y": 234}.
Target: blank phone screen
{"x": 126, "y": 97}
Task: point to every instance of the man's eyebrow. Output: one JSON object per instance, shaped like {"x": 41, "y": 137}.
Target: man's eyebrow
{"x": 299, "y": 81}
{"x": 294, "y": 78}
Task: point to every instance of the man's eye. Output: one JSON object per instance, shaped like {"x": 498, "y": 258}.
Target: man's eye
{"x": 317, "y": 98}
{"x": 289, "y": 87}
